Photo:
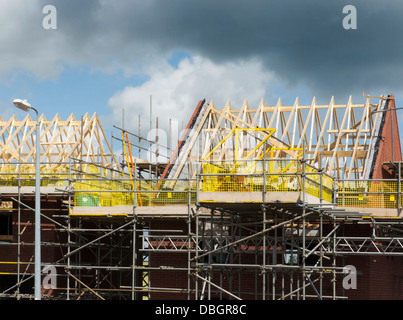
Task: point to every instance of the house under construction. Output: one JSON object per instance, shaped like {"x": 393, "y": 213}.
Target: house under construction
{"x": 269, "y": 202}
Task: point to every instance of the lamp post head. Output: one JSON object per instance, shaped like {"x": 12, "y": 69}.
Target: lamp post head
{"x": 22, "y": 104}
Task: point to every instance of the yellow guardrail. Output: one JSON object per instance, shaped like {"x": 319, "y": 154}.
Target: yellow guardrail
{"x": 369, "y": 194}
{"x": 272, "y": 176}
{"x": 97, "y": 186}
{"x": 24, "y": 175}
{"x": 147, "y": 193}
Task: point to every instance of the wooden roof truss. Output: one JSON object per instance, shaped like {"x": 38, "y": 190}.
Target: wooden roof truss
{"x": 335, "y": 137}
{"x": 60, "y": 140}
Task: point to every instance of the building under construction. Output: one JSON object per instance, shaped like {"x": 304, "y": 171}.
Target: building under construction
{"x": 269, "y": 202}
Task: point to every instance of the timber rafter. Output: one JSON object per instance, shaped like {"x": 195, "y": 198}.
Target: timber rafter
{"x": 60, "y": 140}
{"x": 336, "y": 137}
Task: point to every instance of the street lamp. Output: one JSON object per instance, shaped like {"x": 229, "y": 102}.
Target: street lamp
{"x": 25, "y": 106}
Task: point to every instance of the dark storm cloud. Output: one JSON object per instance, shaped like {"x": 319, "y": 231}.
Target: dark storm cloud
{"x": 303, "y": 42}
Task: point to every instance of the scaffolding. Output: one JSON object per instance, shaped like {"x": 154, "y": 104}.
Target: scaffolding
{"x": 244, "y": 219}
{"x": 245, "y": 250}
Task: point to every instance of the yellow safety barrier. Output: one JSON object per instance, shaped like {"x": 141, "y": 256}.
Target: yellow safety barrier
{"x": 97, "y": 186}
{"x": 368, "y": 194}
{"x": 276, "y": 176}
{"x": 12, "y": 175}
{"x": 91, "y": 189}
{"x": 95, "y": 191}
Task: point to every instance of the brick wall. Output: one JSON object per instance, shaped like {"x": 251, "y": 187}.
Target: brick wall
{"x": 378, "y": 277}
{"x": 385, "y": 145}
{"x": 49, "y": 254}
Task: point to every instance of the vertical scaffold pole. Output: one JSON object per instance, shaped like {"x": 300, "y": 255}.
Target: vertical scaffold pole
{"x": 19, "y": 221}
{"x": 210, "y": 257}
{"x": 321, "y": 255}
{"x": 264, "y": 234}
{"x": 303, "y": 223}
{"x": 69, "y": 232}
{"x": 303, "y": 255}
{"x": 189, "y": 222}
{"x": 274, "y": 258}
{"x": 334, "y": 262}
{"x": 399, "y": 191}
{"x": 134, "y": 259}
{"x": 196, "y": 284}
{"x": 134, "y": 253}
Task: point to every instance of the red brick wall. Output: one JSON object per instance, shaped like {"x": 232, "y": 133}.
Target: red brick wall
{"x": 49, "y": 254}
{"x": 168, "y": 278}
{"x": 9, "y": 252}
{"x": 378, "y": 277}
{"x": 52, "y": 233}
{"x": 385, "y": 146}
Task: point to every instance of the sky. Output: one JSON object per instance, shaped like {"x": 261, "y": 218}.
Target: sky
{"x": 104, "y": 56}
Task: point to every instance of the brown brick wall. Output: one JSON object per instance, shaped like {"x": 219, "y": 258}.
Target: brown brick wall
{"x": 385, "y": 146}
{"x": 378, "y": 277}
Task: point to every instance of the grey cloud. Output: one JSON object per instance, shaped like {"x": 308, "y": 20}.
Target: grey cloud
{"x": 303, "y": 42}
